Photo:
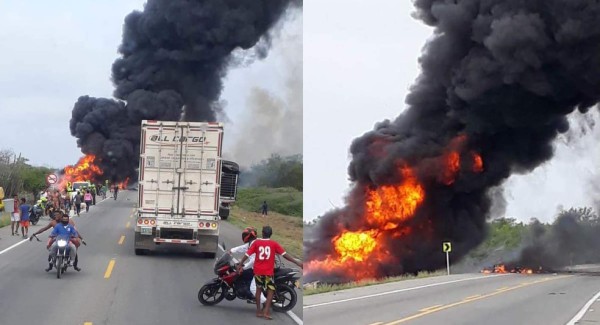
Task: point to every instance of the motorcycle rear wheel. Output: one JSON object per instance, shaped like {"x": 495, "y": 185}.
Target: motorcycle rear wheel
{"x": 285, "y": 298}
{"x": 211, "y": 294}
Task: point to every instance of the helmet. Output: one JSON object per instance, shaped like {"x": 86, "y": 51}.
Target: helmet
{"x": 249, "y": 234}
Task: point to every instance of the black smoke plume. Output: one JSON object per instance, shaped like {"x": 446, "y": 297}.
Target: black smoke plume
{"x": 174, "y": 56}
{"x": 572, "y": 239}
{"x": 503, "y": 73}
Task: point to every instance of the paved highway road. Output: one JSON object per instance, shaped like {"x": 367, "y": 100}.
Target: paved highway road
{"x": 115, "y": 286}
{"x": 459, "y": 299}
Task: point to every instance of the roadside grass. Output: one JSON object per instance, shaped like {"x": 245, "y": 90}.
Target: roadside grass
{"x": 287, "y": 230}
{"x": 285, "y": 200}
{"x": 308, "y": 290}
{"x": 4, "y": 219}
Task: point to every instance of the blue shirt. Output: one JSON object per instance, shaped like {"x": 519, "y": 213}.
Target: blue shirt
{"x": 62, "y": 231}
{"x": 25, "y": 212}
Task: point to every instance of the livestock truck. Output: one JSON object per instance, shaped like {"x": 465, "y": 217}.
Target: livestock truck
{"x": 185, "y": 188}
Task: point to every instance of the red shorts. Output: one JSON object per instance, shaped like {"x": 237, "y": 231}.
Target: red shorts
{"x": 24, "y": 223}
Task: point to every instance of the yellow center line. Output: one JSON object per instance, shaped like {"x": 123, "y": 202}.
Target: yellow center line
{"x": 497, "y": 292}
{"x": 109, "y": 269}
{"x": 131, "y": 216}
{"x": 502, "y": 289}
{"x": 87, "y": 323}
{"x": 378, "y": 323}
{"x": 121, "y": 240}
{"x": 429, "y": 308}
{"x": 128, "y": 224}
{"x": 472, "y": 297}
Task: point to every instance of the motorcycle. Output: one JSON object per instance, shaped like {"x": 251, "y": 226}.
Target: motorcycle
{"x": 62, "y": 260}
{"x": 229, "y": 285}
{"x": 35, "y": 213}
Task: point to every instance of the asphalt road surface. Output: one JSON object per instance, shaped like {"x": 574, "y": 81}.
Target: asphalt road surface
{"x": 115, "y": 286}
{"x": 459, "y": 299}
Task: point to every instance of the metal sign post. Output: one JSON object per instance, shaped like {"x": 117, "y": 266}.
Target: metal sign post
{"x": 447, "y": 248}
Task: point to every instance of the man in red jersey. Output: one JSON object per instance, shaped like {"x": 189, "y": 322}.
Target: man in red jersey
{"x": 264, "y": 265}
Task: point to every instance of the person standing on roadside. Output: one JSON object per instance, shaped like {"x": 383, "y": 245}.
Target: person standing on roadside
{"x": 15, "y": 216}
{"x": 115, "y": 191}
{"x": 264, "y": 208}
{"x": 24, "y": 216}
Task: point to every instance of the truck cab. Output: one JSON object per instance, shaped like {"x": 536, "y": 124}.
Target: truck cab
{"x": 230, "y": 172}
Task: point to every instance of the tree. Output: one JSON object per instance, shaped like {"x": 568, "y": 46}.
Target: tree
{"x": 276, "y": 171}
{"x": 584, "y": 215}
{"x": 34, "y": 179}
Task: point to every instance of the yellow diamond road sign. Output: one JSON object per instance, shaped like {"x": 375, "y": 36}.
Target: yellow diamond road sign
{"x": 447, "y": 247}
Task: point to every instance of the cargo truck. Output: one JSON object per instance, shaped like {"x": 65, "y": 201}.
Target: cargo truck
{"x": 182, "y": 180}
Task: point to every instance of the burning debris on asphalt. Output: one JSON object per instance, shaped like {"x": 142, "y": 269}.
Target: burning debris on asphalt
{"x": 498, "y": 81}
{"x": 174, "y": 56}
{"x": 501, "y": 268}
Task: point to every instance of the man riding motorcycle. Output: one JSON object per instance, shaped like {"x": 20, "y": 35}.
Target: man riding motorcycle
{"x": 248, "y": 236}
{"x": 57, "y": 219}
{"x": 63, "y": 230}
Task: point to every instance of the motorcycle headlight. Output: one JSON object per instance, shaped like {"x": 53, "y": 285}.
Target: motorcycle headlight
{"x": 62, "y": 243}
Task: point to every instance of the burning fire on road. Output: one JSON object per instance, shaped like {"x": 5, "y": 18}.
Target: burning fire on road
{"x": 86, "y": 169}
{"x": 501, "y": 268}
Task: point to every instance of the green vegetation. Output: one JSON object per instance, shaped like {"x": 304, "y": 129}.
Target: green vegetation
{"x": 504, "y": 233}
{"x": 274, "y": 172}
{"x": 17, "y": 177}
{"x": 4, "y": 219}
{"x": 287, "y": 201}
{"x": 336, "y": 287}
{"x": 287, "y": 230}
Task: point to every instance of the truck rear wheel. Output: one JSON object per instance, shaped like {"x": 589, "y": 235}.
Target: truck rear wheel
{"x": 139, "y": 251}
{"x": 223, "y": 213}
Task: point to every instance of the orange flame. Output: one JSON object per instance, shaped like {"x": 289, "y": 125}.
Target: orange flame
{"x": 388, "y": 205}
{"x": 500, "y": 269}
{"x": 123, "y": 184}
{"x": 477, "y": 162}
{"x": 85, "y": 169}
{"x": 355, "y": 245}
{"x": 452, "y": 165}
{"x": 359, "y": 253}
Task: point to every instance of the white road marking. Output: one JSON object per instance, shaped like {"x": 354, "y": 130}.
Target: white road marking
{"x": 13, "y": 246}
{"x": 580, "y": 314}
{"x": 400, "y": 290}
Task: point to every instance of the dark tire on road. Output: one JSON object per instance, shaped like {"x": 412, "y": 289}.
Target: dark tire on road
{"x": 59, "y": 266}
{"x": 139, "y": 251}
{"x": 210, "y": 255}
{"x": 211, "y": 294}
{"x": 285, "y": 297}
{"x": 224, "y": 213}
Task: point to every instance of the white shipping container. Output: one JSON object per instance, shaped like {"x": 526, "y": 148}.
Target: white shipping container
{"x": 179, "y": 184}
